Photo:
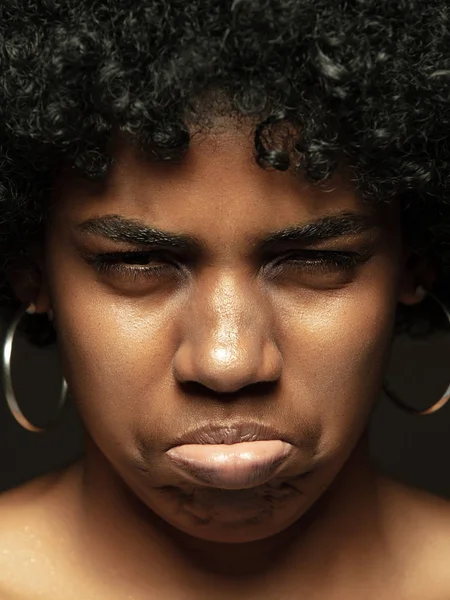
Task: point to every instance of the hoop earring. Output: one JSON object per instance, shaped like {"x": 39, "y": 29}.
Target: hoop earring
{"x": 7, "y": 379}
{"x": 445, "y": 398}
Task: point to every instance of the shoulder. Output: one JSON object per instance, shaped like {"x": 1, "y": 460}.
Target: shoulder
{"x": 33, "y": 535}
{"x": 419, "y": 529}
{"x": 28, "y": 503}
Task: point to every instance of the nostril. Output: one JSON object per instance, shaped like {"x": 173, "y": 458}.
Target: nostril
{"x": 258, "y": 389}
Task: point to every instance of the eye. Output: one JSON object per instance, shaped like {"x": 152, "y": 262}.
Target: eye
{"x": 319, "y": 262}
{"x": 143, "y": 264}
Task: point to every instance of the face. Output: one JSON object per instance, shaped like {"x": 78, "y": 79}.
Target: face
{"x": 230, "y": 323}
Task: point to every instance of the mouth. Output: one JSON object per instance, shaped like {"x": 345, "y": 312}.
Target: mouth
{"x": 248, "y": 431}
{"x": 238, "y": 456}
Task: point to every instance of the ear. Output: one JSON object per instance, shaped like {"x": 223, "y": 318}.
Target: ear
{"x": 28, "y": 281}
{"x": 417, "y": 272}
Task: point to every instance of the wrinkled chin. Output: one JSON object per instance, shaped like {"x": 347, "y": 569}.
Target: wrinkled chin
{"x": 231, "y": 516}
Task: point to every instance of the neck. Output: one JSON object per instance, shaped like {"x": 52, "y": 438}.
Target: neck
{"x": 113, "y": 519}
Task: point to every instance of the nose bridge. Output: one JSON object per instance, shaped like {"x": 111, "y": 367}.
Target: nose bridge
{"x": 227, "y": 342}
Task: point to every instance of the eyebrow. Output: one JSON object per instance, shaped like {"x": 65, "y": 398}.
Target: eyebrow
{"x": 120, "y": 229}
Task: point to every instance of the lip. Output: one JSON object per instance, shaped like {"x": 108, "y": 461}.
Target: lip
{"x": 231, "y": 433}
{"x": 230, "y": 466}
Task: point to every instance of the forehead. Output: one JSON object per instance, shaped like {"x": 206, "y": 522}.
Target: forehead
{"x": 217, "y": 190}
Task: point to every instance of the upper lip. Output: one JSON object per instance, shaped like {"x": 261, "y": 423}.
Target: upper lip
{"x": 230, "y": 433}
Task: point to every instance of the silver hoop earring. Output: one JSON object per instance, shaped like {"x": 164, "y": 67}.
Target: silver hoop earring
{"x": 7, "y": 379}
{"x": 445, "y": 398}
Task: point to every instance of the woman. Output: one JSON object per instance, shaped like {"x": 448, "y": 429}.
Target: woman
{"x": 224, "y": 212}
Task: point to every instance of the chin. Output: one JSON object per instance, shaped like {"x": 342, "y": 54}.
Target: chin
{"x": 232, "y": 516}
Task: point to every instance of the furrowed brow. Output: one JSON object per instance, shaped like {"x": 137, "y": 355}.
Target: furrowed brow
{"x": 343, "y": 224}
{"x": 120, "y": 229}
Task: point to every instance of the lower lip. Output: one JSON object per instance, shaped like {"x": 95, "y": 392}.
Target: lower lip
{"x": 231, "y": 466}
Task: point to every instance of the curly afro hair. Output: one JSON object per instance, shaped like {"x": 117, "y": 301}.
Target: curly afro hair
{"x": 360, "y": 83}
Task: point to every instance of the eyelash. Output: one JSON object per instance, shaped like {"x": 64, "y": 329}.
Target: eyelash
{"x": 324, "y": 260}
{"x": 113, "y": 263}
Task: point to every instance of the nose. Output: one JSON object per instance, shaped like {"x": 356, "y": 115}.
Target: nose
{"x": 227, "y": 342}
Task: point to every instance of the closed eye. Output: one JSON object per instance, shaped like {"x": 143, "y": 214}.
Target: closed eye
{"x": 322, "y": 260}
{"x": 135, "y": 264}
{"x": 151, "y": 264}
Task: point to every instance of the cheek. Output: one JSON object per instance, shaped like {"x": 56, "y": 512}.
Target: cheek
{"x": 337, "y": 353}
{"x": 117, "y": 359}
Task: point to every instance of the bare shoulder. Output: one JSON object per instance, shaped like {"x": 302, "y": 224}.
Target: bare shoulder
{"x": 418, "y": 511}
{"x": 24, "y": 504}
{"x": 419, "y": 525}
{"x": 32, "y": 535}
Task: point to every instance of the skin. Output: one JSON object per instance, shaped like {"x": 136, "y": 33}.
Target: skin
{"x": 150, "y": 357}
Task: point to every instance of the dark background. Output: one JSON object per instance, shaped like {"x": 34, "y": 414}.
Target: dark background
{"x": 414, "y": 449}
